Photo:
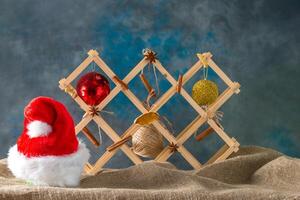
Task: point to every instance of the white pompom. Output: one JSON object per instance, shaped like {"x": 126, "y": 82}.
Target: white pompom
{"x": 38, "y": 128}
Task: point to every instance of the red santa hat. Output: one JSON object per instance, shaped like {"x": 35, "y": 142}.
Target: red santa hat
{"x": 48, "y": 151}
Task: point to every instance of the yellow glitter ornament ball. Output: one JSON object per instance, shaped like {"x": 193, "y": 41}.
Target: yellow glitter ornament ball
{"x": 205, "y": 92}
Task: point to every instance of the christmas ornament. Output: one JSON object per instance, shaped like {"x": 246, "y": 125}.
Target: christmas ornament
{"x": 92, "y": 88}
{"x": 151, "y": 57}
{"x": 147, "y": 118}
{"x": 48, "y": 151}
{"x": 205, "y": 92}
{"x": 147, "y": 141}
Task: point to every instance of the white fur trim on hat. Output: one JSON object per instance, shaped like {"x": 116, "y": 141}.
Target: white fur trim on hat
{"x": 49, "y": 170}
{"x": 38, "y": 128}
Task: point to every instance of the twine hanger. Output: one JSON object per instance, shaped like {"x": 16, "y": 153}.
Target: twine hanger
{"x": 217, "y": 117}
{"x": 94, "y": 111}
{"x": 151, "y": 56}
{"x": 205, "y": 66}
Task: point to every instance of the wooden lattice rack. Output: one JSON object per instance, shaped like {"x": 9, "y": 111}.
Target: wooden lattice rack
{"x": 205, "y": 59}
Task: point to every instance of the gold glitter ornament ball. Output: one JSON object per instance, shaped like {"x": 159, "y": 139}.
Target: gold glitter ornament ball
{"x": 205, "y": 92}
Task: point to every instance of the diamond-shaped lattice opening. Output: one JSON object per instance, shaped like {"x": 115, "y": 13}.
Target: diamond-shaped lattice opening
{"x": 120, "y": 113}
{"x": 180, "y": 163}
{"x": 204, "y": 149}
{"x": 119, "y": 160}
{"x": 121, "y": 66}
{"x": 178, "y": 113}
{"x": 159, "y": 83}
{"x": 101, "y": 137}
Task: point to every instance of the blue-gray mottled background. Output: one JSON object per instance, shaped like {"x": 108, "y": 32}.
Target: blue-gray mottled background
{"x": 255, "y": 42}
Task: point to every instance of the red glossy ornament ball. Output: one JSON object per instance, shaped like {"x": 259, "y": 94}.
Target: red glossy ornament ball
{"x": 92, "y": 88}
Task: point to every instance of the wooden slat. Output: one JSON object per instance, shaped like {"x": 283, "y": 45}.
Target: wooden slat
{"x": 192, "y": 71}
{"x": 135, "y": 101}
{"x": 106, "y": 156}
{"x": 236, "y": 145}
{"x": 163, "y": 155}
{"x": 225, "y": 155}
{"x": 165, "y": 73}
{"x": 104, "y": 67}
{"x": 190, "y": 130}
{"x": 163, "y": 99}
{"x": 87, "y": 167}
{"x": 63, "y": 84}
{"x": 135, "y": 70}
{"x": 164, "y": 132}
{"x": 220, "y": 73}
{"x": 220, "y": 132}
{"x": 221, "y": 100}
{"x": 191, "y": 101}
{"x": 113, "y": 93}
{"x": 83, "y": 123}
{"x": 189, "y": 157}
{"x": 224, "y": 152}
